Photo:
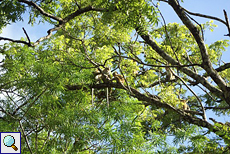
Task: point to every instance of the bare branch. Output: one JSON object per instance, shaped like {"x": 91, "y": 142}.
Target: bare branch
{"x": 26, "y": 34}
{"x": 227, "y": 23}
{"x": 205, "y": 16}
{"x": 47, "y": 36}
{"x": 81, "y": 11}
{"x": 223, "y": 67}
{"x": 15, "y": 41}
{"x": 217, "y": 108}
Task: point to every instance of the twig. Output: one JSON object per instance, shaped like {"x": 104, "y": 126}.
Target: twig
{"x": 206, "y": 92}
{"x": 217, "y": 108}
{"x": 19, "y": 107}
{"x": 89, "y": 59}
{"x": 26, "y": 34}
{"x": 2, "y": 110}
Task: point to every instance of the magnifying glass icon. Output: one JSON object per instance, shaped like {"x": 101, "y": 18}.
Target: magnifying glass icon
{"x": 9, "y": 141}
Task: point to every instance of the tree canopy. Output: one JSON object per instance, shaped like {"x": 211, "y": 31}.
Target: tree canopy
{"x": 49, "y": 92}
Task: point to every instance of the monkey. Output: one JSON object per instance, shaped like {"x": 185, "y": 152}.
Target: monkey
{"x": 169, "y": 74}
{"x": 119, "y": 78}
{"x": 105, "y": 76}
{"x": 185, "y": 105}
{"x": 97, "y": 75}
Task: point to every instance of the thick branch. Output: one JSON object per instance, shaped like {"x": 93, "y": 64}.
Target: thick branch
{"x": 150, "y": 100}
{"x": 81, "y": 11}
{"x": 220, "y": 69}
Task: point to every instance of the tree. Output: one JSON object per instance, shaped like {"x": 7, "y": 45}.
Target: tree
{"x": 46, "y": 85}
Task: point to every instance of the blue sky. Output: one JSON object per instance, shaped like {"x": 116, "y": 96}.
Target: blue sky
{"x": 208, "y": 7}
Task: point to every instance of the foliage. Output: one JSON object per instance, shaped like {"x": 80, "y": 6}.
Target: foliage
{"x": 46, "y": 85}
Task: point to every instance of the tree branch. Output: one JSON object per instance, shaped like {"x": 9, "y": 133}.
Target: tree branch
{"x": 217, "y": 108}
{"x": 204, "y": 16}
{"x": 227, "y": 23}
{"x": 26, "y": 139}
{"x": 206, "y": 63}
{"x": 60, "y": 20}
{"x": 81, "y": 11}
{"x": 149, "y": 100}
{"x": 31, "y": 3}
{"x": 15, "y": 41}
{"x": 197, "y": 77}
{"x": 202, "y": 107}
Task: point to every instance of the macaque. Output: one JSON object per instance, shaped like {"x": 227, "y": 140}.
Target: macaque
{"x": 169, "y": 74}
{"x": 185, "y": 105}
{"x": 119, "y": 78}
{"x": 97, "y": 75}
{"x": 105, "y": 76}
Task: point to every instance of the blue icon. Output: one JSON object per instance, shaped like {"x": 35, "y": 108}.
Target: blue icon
{"x": 9, "y": 141}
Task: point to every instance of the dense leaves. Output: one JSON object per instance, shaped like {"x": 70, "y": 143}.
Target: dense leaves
{"x": 47, "y": 85}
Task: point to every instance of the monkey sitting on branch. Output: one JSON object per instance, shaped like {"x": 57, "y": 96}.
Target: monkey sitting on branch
{"x": 119, "y": 78}
{"x": 185, "y": 105}
{"x": 105, "y": 76}
{"x": 169, "y": 74}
